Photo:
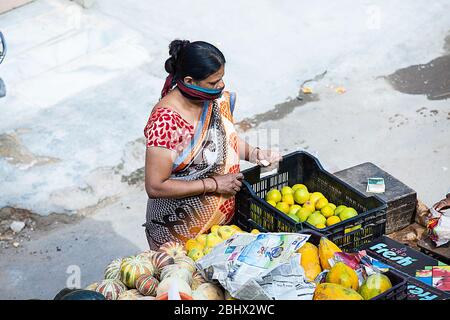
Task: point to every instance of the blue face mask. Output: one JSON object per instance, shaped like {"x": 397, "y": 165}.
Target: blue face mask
{"x": 194, "y": 92}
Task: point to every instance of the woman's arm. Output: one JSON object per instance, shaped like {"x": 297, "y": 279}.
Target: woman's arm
{"x": 256, "y": 155}
{"x": 158, "y": 169}
{"x": 245, "y": 149}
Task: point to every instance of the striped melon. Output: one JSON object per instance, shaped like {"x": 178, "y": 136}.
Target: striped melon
{"x": 186, "y": 263}
{"x": 160, "y": 260}
{"x": 173, "y": 249}
{"x": 148, "y": 254}
{"x": 112, "y": 270}
{"x": 111, "y": 288}
{"x": 147, "y": 285}
{"x": 181, "y": 273}
{"x": 132, "y": 268}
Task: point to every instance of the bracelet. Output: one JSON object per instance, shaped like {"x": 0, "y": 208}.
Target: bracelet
{"x": 217, "y": 185}
{"x": 204, "y": 187}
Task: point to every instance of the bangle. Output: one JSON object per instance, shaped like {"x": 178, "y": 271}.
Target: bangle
{"x": 217, "y": 185}
{"x": 204, "y": 187}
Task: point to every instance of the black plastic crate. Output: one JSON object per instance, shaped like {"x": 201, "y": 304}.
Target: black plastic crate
{"x": 401, "y": 200}
{"x": 301, "y": 167}
{"x": 398, "y": 280}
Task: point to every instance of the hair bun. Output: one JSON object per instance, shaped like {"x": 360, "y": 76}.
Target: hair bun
{"x": 175, "y": 48}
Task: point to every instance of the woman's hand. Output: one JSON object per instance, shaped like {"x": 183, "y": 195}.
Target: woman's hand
{"x": 264, "y": 157}
{"x": 228, "y": 184}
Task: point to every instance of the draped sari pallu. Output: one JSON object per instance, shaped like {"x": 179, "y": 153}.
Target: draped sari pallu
{"x": 212, "y": 151}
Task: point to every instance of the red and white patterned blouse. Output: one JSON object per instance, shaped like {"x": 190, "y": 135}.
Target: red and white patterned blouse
{"x": 166, "y": 128}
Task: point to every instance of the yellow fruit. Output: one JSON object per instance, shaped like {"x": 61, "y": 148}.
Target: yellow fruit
{"x": 192, "y": 243}
{"x": 286, "y": 190}
{"x": 333, "y": 220}
{"x": 332, "y": 205}
{"x": 288, "y": 198}
{"x": 294, "y": 209}
{"x": 201, "y": 239}
{"x": 315, "y": 196}
{"x": 214, "y": 228}
{"x": 271, "y": 202}
{"x": 327, "y": 211}
{"x": 338, "y": 210}
{"x": 273, "y": 195}
{"x": 332, "y": 291}
{"x": 374, "y": 285}
{"x": 299, "y": 186}
{"x": 225, "y": 232}
{"x": 195, "y": 254}
{"x": 347, "y": 230}
{"x": 316, "y": 218}
{"x": 283, "y": 207}
{"x": 310, "y": 260}
{"x": 342, "y": 274}
{"x": 235, "y": 227}
{"x": 301, "y": 196}
{"x": 254, "y": 231}
{"x": 206, "y": 250}
{"x": 309, "y": 206}
{"x": 213, "y": 240}
{"x": 347, "y": 213}
{"x": 294, "y": 217}
{"x": 303, "y": 214}
{"x": 321, "y": 203}
{"x": 320, "y": 226}
{"x": 327, "y": 249}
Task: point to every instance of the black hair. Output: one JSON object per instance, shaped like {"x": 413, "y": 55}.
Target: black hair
{"x": 197, "y": 59}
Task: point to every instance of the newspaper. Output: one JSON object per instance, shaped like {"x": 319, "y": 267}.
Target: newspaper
{"x": 259, "y": 267}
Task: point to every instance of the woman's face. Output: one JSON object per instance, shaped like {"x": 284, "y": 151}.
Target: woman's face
{"x": 214, "y": 81}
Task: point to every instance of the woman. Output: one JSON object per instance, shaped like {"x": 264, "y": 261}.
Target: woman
{"x": 193, "y": 151}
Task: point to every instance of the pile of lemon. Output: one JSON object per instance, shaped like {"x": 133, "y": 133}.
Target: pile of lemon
{"x": 203, "y": 243}
{"x": 313, "y": 208}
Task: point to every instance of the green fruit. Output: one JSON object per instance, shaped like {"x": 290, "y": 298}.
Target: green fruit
{"x": 283, "y": 207}
{"x": 299, "y": 186}
{"x": 273, "y": 195}
{"x": 316, "y": 218}
{"x": 301, "y": 196}
{"x": 303, "y": 214}
{"x": 294, "y": 209}
{"x": 327, "y": 211}
{"x": 374, "y": 285}
{"x": 347, "y": 213}
{"x": 294, "y": 217}
{"x": 339, "y": 209}
{"x": 286, "y": 190}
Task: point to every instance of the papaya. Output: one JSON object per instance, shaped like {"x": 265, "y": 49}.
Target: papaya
{"x": 310, "y": 260}
{"x": 374, "y": 285}
{"x": 342, "y": 274}
{"x": 327, "y": 249}
{"x": 333, "y": 291}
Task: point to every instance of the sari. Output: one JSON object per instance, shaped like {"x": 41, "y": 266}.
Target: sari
{"x": 213, "y": 150}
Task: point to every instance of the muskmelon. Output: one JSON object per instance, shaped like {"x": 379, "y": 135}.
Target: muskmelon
{"x": 147, "y": 285}
{"x": 111, "y": 288}
{"x": 132, "y": 268}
